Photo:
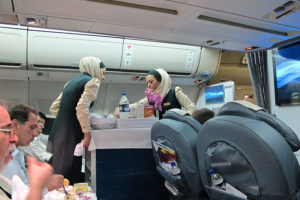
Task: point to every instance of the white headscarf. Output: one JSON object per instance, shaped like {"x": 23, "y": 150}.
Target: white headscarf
{"x": 91, "y": 66}
{"x": 165, "y": 84}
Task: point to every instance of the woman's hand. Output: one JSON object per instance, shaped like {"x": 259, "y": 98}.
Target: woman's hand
{"x": 117, "y": 112}
{"x": 87, "y": 139}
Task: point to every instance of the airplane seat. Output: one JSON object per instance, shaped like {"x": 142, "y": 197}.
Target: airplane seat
{"x": 174, "y": 139}
{"x": 247, "y": 109}
{"x": 253, "y": 151}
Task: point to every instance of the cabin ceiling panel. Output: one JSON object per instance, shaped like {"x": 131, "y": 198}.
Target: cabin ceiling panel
{"x": 175, "y": 36}
{"x": 218, "y": 31}
{"x": 255, "y": 9}
{"x": 292, "y": 20}
{"x": 69, "y": 24}
{"x": 255, "y": 32}
{"x": 120, "y": 30}
{"x": 181, "y": 26}
{"x": 248, "y": 21}
{"x": 94, "y": 11}
{"x": 233, "y": 46}
{"x": 5, "y": 6}
{"x": 227, "y": 33}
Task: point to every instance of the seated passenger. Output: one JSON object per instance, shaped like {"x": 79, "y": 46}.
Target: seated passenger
{"x": 37, "y": 148}
{"x": 159, "y": 80}
{"x": 38, "y": 172}
{"x": 203, "y": 114}
{"x": 24, "y": 119}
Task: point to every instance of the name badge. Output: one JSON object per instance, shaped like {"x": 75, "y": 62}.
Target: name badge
{"x": 167, "y": 104}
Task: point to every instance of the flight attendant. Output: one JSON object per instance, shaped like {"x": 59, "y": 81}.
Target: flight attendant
{"x": 159, "y": 80}
{"x": 72, "y": 123}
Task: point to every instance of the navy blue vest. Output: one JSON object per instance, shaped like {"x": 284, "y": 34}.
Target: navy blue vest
{"x": 170, "y": 101}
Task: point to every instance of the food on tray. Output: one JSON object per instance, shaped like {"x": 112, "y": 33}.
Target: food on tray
{"x": 79, "y": 191}
{"x": 80, "y": 187}
{"x": 70, "y": 197}
{"x": 66, "y": 182}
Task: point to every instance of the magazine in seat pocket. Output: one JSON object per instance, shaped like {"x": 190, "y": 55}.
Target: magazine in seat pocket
{"x": 167, "y": 158}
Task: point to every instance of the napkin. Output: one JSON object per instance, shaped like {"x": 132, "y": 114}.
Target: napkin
{"x": 79, "y": 149}
{"x": 19, "y": 189}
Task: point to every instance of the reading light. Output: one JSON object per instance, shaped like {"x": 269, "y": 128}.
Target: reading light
{"x": 31, "y": 21}
{"x": 251, "y": 48}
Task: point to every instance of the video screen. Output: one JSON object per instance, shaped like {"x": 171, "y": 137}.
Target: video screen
{"x": 214, "y": 94}
{"x": 287, "y": 75}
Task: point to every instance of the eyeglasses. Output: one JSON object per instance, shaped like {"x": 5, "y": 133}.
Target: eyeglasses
{"x": 5, "y": 131}
{"x": 41, "y": 122}
{"x": 10, "y": 134}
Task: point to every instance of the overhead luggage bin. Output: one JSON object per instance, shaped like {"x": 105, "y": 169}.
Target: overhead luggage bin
{"x": 61, "y": 50}
{"x": 13, "y": 47}
{"x": 142, "y": 56}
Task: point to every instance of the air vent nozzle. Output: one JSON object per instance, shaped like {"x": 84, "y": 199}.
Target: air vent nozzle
{"x": 283, "y": 10}
{"x": 213, "y": 42}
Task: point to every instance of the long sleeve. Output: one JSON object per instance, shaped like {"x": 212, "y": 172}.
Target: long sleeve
{"x": 88, "y": 96}
{"x": 55, "y": 105}
{"x": 143, "y": 101}
{"x": 184, "y": 100}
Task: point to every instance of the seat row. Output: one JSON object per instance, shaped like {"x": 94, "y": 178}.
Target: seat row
{"x": 251, "y": 149}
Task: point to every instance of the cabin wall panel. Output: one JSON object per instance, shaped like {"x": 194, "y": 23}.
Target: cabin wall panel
{"x": 110, "y": 94}
{"x": 242, "y": 90}
{"x": 14, "y": 91}
{"x": 43, "y": 93}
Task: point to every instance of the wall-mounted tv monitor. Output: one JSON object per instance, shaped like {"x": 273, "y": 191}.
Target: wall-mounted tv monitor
{"x": 287, "y": 74}
{"x": 214, "y": 94}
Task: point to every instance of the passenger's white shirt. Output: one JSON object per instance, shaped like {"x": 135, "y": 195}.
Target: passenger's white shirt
{"x": 44, "y": 138}
{"x": 37, "y": 149}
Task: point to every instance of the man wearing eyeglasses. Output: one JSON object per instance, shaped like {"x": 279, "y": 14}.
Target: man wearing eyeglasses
{"x": 25, "y": 123}
{"x": 24, "y": 120}
{"x": 8, "y": 139}
{"x": 38, "y": 172}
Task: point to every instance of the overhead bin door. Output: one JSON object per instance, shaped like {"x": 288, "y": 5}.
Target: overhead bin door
{"x": 209, "y": 63}
{"x": 175, "y": 59}
{"x": 13, "y": 47}
{"x": 59, "y": 50}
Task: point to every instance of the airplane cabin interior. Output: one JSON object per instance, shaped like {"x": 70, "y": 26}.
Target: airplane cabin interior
{"x": 238, "y": 59}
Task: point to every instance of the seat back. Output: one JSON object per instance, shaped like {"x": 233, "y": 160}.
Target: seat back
{"x": 251, "y": 155}
{"x": 238, "y": 109}
{"x": 178, "y": 133}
